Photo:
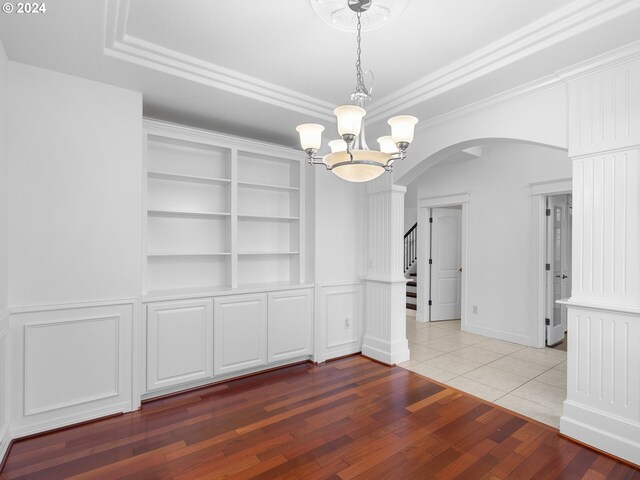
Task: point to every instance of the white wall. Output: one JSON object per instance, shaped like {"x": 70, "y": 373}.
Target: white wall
{"x": 340, "y": 226}
{"x": 499, "y": 268}
{"x": 75, "y": 190}
{"x": 3, "y": 250}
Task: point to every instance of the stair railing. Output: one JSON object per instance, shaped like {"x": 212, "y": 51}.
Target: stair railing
{"x": 410, "y": 247}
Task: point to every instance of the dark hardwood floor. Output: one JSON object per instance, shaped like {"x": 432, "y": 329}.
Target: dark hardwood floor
{"x": 351, "y": 418}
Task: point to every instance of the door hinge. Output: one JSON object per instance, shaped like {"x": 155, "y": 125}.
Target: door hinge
{"x": 547, "y": 321}
{"x": 548, "y": 214}
{"x": 547, "y": 267}
{"x": 430, "y": 303}
{"x": 430, "y": 219}
{"x": 430, "y": 261}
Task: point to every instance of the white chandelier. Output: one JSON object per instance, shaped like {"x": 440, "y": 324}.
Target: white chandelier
{"x": 350, "y": 158}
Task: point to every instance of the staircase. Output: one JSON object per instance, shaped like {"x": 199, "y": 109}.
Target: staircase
{"x": 410, "y": 265}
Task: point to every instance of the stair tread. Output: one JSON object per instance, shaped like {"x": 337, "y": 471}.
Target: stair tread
{"x": 412, "y": 283}
{"x": 413, "y": 274}
{"x": 411, "y": 306}
{"x": 411, "y": 294}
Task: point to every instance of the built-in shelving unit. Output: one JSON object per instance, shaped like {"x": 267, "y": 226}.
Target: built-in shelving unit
{"x": 220, "y": 212}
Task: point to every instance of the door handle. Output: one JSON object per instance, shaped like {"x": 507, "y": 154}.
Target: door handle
{"x": 564, "y": 276}
{"x": 460, "y": 269}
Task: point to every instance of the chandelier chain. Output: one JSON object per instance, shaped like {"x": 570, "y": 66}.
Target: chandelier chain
{"x": 360, "y": 87}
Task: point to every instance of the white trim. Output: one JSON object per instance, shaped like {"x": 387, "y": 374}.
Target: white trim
{"x": 5, "y": 440}
{"x": 617, "y": 436}
{"x": 444, "y": 201}
{"x": 120, "y": 45}
{"x": 71, "y": 306}
{"x": 208, "y": 137}
{"x": 498, "y": 334}
{"x": 72, "y": 419}
{"x": 539, "y": 192}
{"x": 554, "y": 187}
{"x": 424, "y": 243}
{"x": 608, "y": 59}
{"x": 576, "y": 18}
{"x": 632, "y": 309}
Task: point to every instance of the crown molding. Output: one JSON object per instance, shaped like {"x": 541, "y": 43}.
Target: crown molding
{"x": 609, "y": 59}
{"x": 577, "y": 17}
{"x": 120, "y": 45}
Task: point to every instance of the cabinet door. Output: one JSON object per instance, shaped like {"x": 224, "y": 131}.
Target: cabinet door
{"x": 290, "y": 315}
{"x": 240, "y": 332}
{"x": 179, "y": 342}
{"x": 340, "y": 320}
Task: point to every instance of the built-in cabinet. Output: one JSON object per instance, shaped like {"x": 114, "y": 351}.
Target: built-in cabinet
{"x": 198, "y": 340}
{"x": 224, "y": 272}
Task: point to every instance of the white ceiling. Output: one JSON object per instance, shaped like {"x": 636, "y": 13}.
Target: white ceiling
{"x": 258, "y": 68}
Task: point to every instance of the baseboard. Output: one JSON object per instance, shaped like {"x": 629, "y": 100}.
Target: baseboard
{"x": 5, "y": 443}
{"x": 35, "y": 428}
{"x": 385, "y": 352}
{"x": 498, "y": 334}
{"x": 601, "y": 430}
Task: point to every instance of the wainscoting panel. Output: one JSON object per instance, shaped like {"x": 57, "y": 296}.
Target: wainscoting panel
{"x": 606, "y": 205}
{"x": 69, "y": 365}
{"x": 601, "y": 109}
{"x": 603, "y": 395}
{"x": 340, "y": 320}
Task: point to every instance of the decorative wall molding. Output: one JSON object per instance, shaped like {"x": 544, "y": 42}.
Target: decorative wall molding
{"x": 31, "y": 365}
{"x": 603, "y": 392}
{"x": 558, "y": 79}
{"x": 577, "y": 17}
{"x": 556, "y": 187}
{"x": 328, "y": 343}
{"x": 120, "y": 45}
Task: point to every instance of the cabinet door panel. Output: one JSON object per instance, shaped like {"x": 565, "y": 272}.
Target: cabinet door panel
{"x": 240, "y": 335}
{"x": 290, "y": 320}
{"x": 179, "y": 342}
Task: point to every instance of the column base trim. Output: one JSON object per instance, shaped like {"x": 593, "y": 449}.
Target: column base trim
{"x": 389, "y": 353}
{"x": 602, "y": 431}
{"x": 5, "y": 443}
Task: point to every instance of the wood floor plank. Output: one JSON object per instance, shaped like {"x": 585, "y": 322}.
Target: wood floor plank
{"x": 348, "y": 419}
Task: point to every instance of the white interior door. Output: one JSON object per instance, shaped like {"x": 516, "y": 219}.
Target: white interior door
{"x": 446, "y": 268}
{"x": 558, "y": 265}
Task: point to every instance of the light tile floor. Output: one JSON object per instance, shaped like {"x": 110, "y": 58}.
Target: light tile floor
{"x": 529, "y": 381}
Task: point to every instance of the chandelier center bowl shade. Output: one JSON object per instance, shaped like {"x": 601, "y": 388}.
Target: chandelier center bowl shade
{"x": 338, "y": 13}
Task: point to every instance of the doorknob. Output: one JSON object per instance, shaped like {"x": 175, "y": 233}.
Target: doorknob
{"x": 460, "y": 269}
{"x": 564, "y": 276}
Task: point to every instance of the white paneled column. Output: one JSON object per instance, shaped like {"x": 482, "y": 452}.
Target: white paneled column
{"x": 603, "y": 392}
{"x": 385, "y": 336}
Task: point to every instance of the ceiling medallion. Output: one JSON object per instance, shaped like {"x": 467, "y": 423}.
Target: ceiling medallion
{"x": 350, "y": 157}
{"x": 341, "y": 15}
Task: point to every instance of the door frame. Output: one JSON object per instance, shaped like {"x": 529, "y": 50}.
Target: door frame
{"x": 539, "y": 194}
{"x": 424, "y": 245}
